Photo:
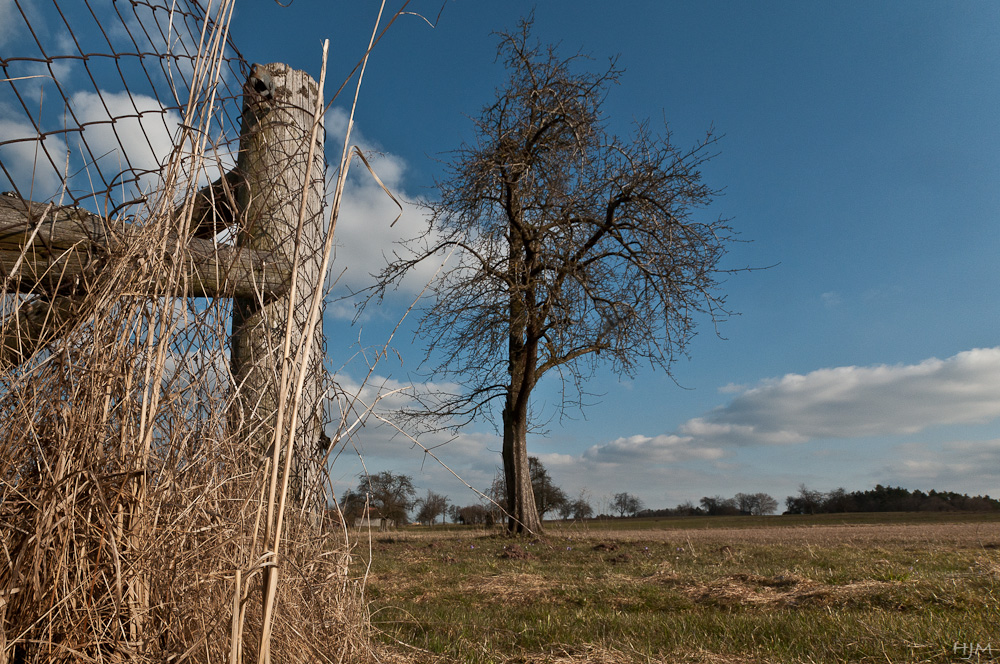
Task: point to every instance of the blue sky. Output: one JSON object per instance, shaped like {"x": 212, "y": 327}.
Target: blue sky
{"x": 861, "y": 158}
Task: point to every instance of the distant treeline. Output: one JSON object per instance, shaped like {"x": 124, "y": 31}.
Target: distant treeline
{"x": 807, "y": 501}
{"x": 750, "y": 504}
{"x": 879, "y": 499}
{"x": 886, "y": 499}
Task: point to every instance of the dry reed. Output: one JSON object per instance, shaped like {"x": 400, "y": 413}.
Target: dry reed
{"x": 136, "y": 524}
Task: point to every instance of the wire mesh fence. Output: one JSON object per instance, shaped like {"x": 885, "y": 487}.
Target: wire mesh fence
{"x": 95, "y": 95}
{"x": 141, "y": 464}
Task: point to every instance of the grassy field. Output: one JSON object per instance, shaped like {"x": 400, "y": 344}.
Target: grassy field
{"x": 864, "y": 588}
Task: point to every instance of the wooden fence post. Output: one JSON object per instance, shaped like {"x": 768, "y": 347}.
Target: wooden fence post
{"x": 278, "y": 111}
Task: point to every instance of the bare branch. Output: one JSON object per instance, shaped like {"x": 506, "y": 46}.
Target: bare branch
{"x": 577, "y": 247}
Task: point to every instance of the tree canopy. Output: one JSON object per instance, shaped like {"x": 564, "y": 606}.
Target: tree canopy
{"x": 431, "y": 507}
{"x": 390, "y": 494}
{"x": 572, "y": 247}
{"x": 626, "y": 504}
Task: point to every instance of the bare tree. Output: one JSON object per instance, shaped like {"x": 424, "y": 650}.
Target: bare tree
{"x": 807, "y": 502}
{"x": 626, "y": 503}
{"x": 719, "y": 506}
{"x": 390, "y": 494}
{"x": 582, "y": 509}
{"x": 431, "y": 507}
{"x": 766, "y": 504}
{"x": 469, "y": 515}
{"x": 495, "y": 500}
{"x": 548, "y": 496}
{"x": 571, "y": 246}
{"x": 756, "y": 504}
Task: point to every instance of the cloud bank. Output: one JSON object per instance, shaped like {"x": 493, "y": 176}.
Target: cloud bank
{"x": 854, "y": 402}
{"x": 837, "y": 403}
{"x": 755, "y": 442}
{"x": 140, "y": 138}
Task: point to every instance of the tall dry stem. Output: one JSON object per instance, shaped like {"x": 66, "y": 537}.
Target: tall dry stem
{"x": 136, "y": 523}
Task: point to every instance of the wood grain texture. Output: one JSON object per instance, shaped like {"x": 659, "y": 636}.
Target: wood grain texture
{"x": 51, "y": 249}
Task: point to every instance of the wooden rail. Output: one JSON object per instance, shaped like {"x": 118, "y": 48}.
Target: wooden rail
{"x": 52, "y": 250}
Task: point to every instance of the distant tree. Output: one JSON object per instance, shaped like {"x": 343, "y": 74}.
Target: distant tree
{"x": 577, "y": 509}
{"x": 473, "y": 515}
{"x": 719, "y": 506}
{"x": 626, "y": 503}
{"x": 582, "y": 509}
{"x": 352, "y": 504}
{"x": 839, "y": 500}
{"x": 766, "y": 504}
{"x": 390, "y": 494}
{"x": 496, "y": 498}
{"x": 547, "y": 495}
{"x": 755, "y": 504}
{"x": 431, "y": 507}
{"x": 807, "y": 502}
{"x": 687, "y": 508}
{"x": 746, "y": 503}
{"x": 885, "y": 499}
{"x": 575, "y": 247}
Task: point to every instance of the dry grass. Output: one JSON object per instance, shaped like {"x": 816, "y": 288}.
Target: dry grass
{"x": 778, "y": 594}
{"x": 136, "y": 522}
{"x": 982, "y": 532}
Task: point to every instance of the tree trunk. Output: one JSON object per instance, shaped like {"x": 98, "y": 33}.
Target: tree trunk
{"x": 523, "y": 514}
{"x": 522, "y": 355}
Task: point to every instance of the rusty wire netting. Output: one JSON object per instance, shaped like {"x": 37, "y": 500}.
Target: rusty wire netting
{"x": 133, "y": 510}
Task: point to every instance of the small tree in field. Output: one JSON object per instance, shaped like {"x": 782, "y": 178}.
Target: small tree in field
{"x": 626, "y": 503}
{"x": 548, "y": 496}
{"x": 807, "y": 502}
{"x": 766, "y": 504}
{"x": 391, "y": 494}
{"x": 756, "y": 504}
{"x": 582, "y": 509}
{"x": 431, "y": 507}
{"x": 719, "y": 506}
{"x": 573, "y": 247}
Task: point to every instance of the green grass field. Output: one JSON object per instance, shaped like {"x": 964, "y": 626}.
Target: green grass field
{"x": 835, "y": 588}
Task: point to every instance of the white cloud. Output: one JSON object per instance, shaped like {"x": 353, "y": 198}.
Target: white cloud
{"x": 881, "y": 293}
{"x": 472, "y": 456}
{"x": 8, "y": 28}
{"x": 656, "y": 449}
{"x": 851, "y": 402}
{"x": 704, "y": 429}
{"x": 390, "y": 394}
{"x": 142, "y": 135}
{"x": 831, "y": 299}
{"x": 966, "y": 466}
{"x": 838, "y": 403}
{"x": 452, "y": 460}
{"x": 365, "y": 234}
{"x": 703, "y": 456}
{"x": 33, "y": 173}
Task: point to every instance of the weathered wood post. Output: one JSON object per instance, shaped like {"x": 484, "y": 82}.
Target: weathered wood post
{"x": 278, "y": 111}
